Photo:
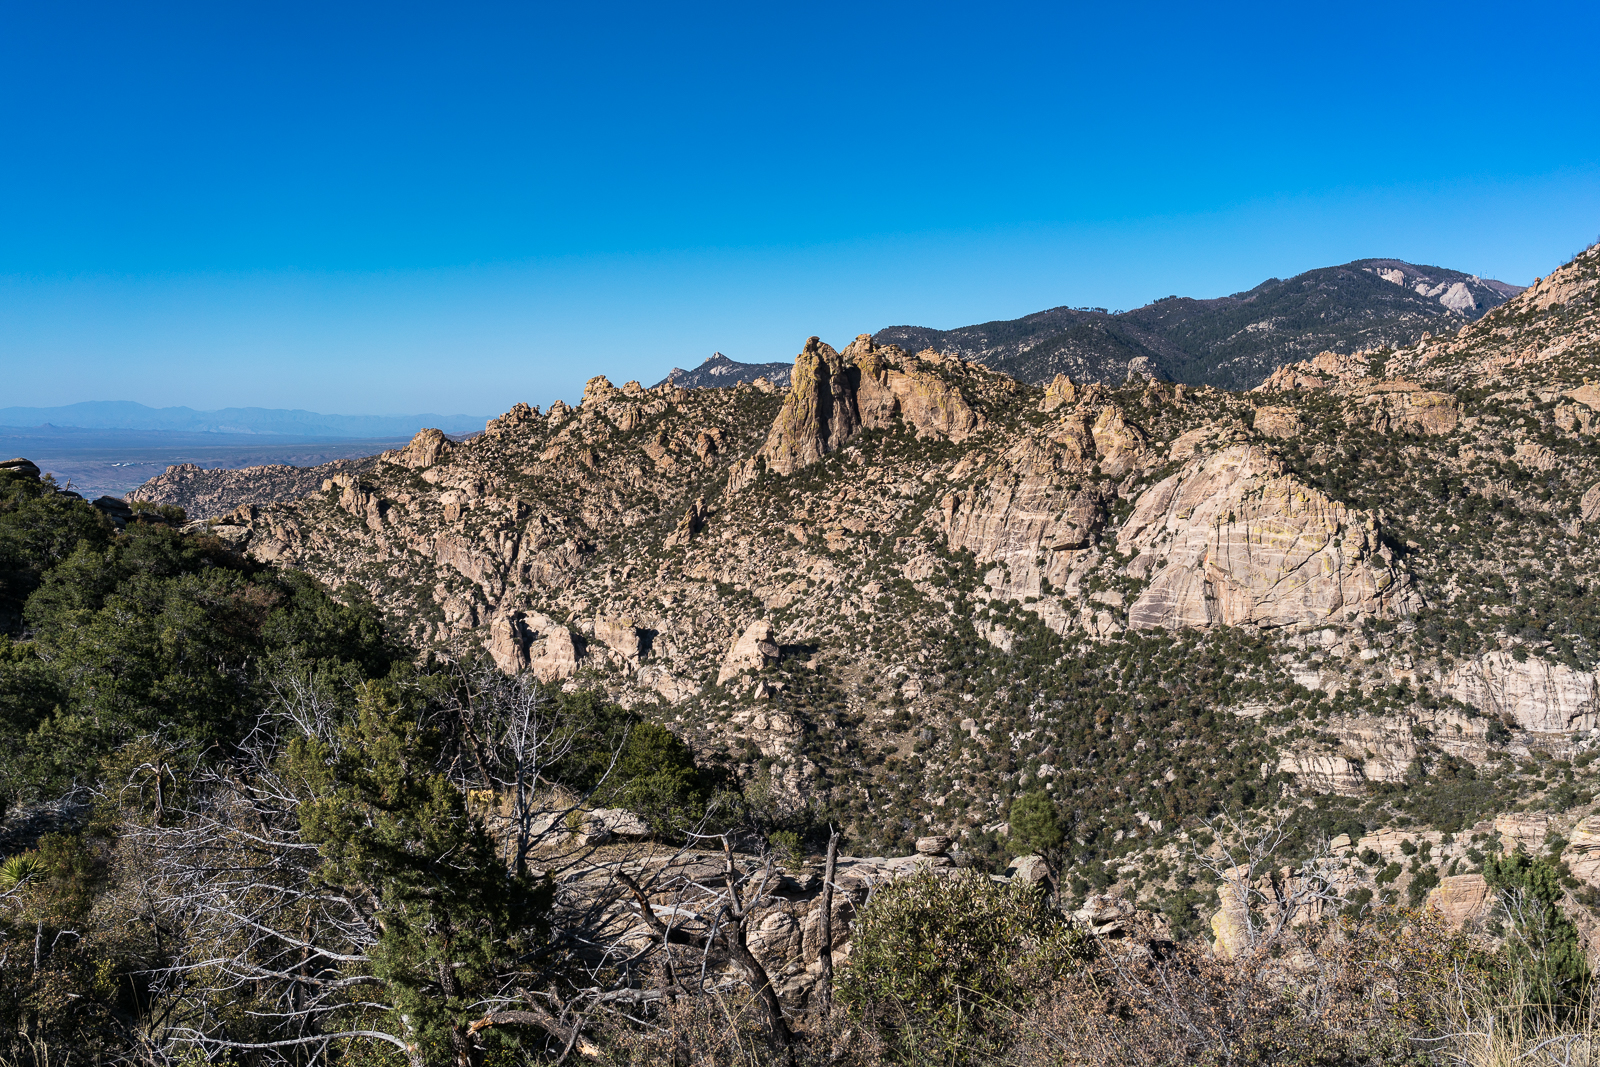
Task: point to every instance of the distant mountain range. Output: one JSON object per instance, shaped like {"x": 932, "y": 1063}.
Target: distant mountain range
{"x": 719, "y": 370}
{"x": 1232, "y": 342}
{"x": 125, "y": 415}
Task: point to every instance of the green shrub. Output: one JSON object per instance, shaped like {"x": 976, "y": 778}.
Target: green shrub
{"x": 934, "y": 956}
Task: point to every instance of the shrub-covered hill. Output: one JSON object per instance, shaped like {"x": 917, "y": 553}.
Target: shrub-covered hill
{"x": 910, "y": 588}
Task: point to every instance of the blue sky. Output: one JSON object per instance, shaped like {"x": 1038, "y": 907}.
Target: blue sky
{"x": 372, "y": 209}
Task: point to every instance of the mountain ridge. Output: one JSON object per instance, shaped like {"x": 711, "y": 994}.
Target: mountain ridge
{"x": 1230, "y": 342}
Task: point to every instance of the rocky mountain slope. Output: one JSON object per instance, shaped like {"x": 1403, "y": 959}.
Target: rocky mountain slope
{"x": 208, "y": 493}
{"x": 720, "y": 371}
{"x": 1232, "y": 342}
{"x": 909, "y": 588}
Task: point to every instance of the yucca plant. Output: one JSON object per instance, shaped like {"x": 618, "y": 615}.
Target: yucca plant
{"x": 18, "y": 869}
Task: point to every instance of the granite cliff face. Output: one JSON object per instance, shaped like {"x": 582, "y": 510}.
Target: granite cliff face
{"x": 909, "y": 587}
{"x": 1231, "y": 539}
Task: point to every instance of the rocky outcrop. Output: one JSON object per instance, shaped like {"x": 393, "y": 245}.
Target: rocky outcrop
{"x": 820, "y": 413}
{"x": 892, "y": 386}
{"x": 693, "y": 521}
{"x": 1460, "y": 900}
{"x": 424, "y": 450}
{"x": 519, "y": 415}
{"x": 1322, "y": 371}
{"x": 754, "y": 649}
{"x": 833, "y": 396}
{"x": 533, "y": 642}
{"x": 207, "y": 494}
{"x": 620, "y": 635}
{"x": 1280, "y": 422}
{"x": 1058, "y": 393}
{"x": 1522, "y": 829}
{"x": 1406, "y": 407}
{"x": 25, "y": 467}
{"x": 1531, "y": 693}
{"x": 1589, "y": 507}
{"x": 1233, "y": 540}
{"x": 1582, "y": 854}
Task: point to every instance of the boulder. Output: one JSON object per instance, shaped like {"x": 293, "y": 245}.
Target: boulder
{"x": 25, "y": 467}
{"x": 669, "y": 686}
{"x": 1460, "y": 899}
{"x": 693, "y": 521}
{"x": 521, "y": 641}
{"x": 519, "y": 415}
{"x": 754, "y": 649}
{"x": 1531, "y": 692}
{"x": 1029, "y": 869}
{"x": 1589, "y": 507}
{"x": 116, "y": 509}
{"x": 619, "y": 635}
{"x": 833, "y": 396}
{"x": 933, "y": 845}
{"x": 1405, "y": 407}
{"x": 617, "y": 822}
{"x": 558, "y": 658}
{"x": 890, "y": 386}
{"x": 1230, "y": 926}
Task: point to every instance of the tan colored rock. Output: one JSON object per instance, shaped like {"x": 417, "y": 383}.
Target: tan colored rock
{"x": 1280, "y": 422}
{"x": 597, "y": 390}
{"x": 754, "y": 649}
{"x": 1524, "y": 830}
{"x": 1589, "y": 507}
{"x": 1241, "y": 542}
{"x": 1460, "y": 899}
{"x": 1029, "y": 869}
{"x": 1230, "y": 926}
{"x": 508, "y": 643}
{"x": 1058, "y": 393}
{"x": 933, "y": 845}
{"x": 1582, "y": 854}
{"x": 1405, "y": 407}
{"x": 1587, "y": 394}
{"x": 558, "y": 658}
{"x": 1117, "y": 441}
{"x": 1321, "y": 371}
{"x": 519, "y": 415}
{"x": 818, "y": 416}
{"x": 893, "y": 386}
{"x": 618, "y": 634}
{"x": 833, "y": 396}
{"x": 693, "y": 522}
{"x": 535, "y": 642}
{"x": 1325, "y": 772}
{"x": 425, "y": 449}
{"x": 1533, "y": 693}
{"x": 669, "y": 686}
{"x": 617, "y": 822}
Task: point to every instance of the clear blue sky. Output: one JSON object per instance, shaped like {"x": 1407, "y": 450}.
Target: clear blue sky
{"x": 388, "y": 208}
